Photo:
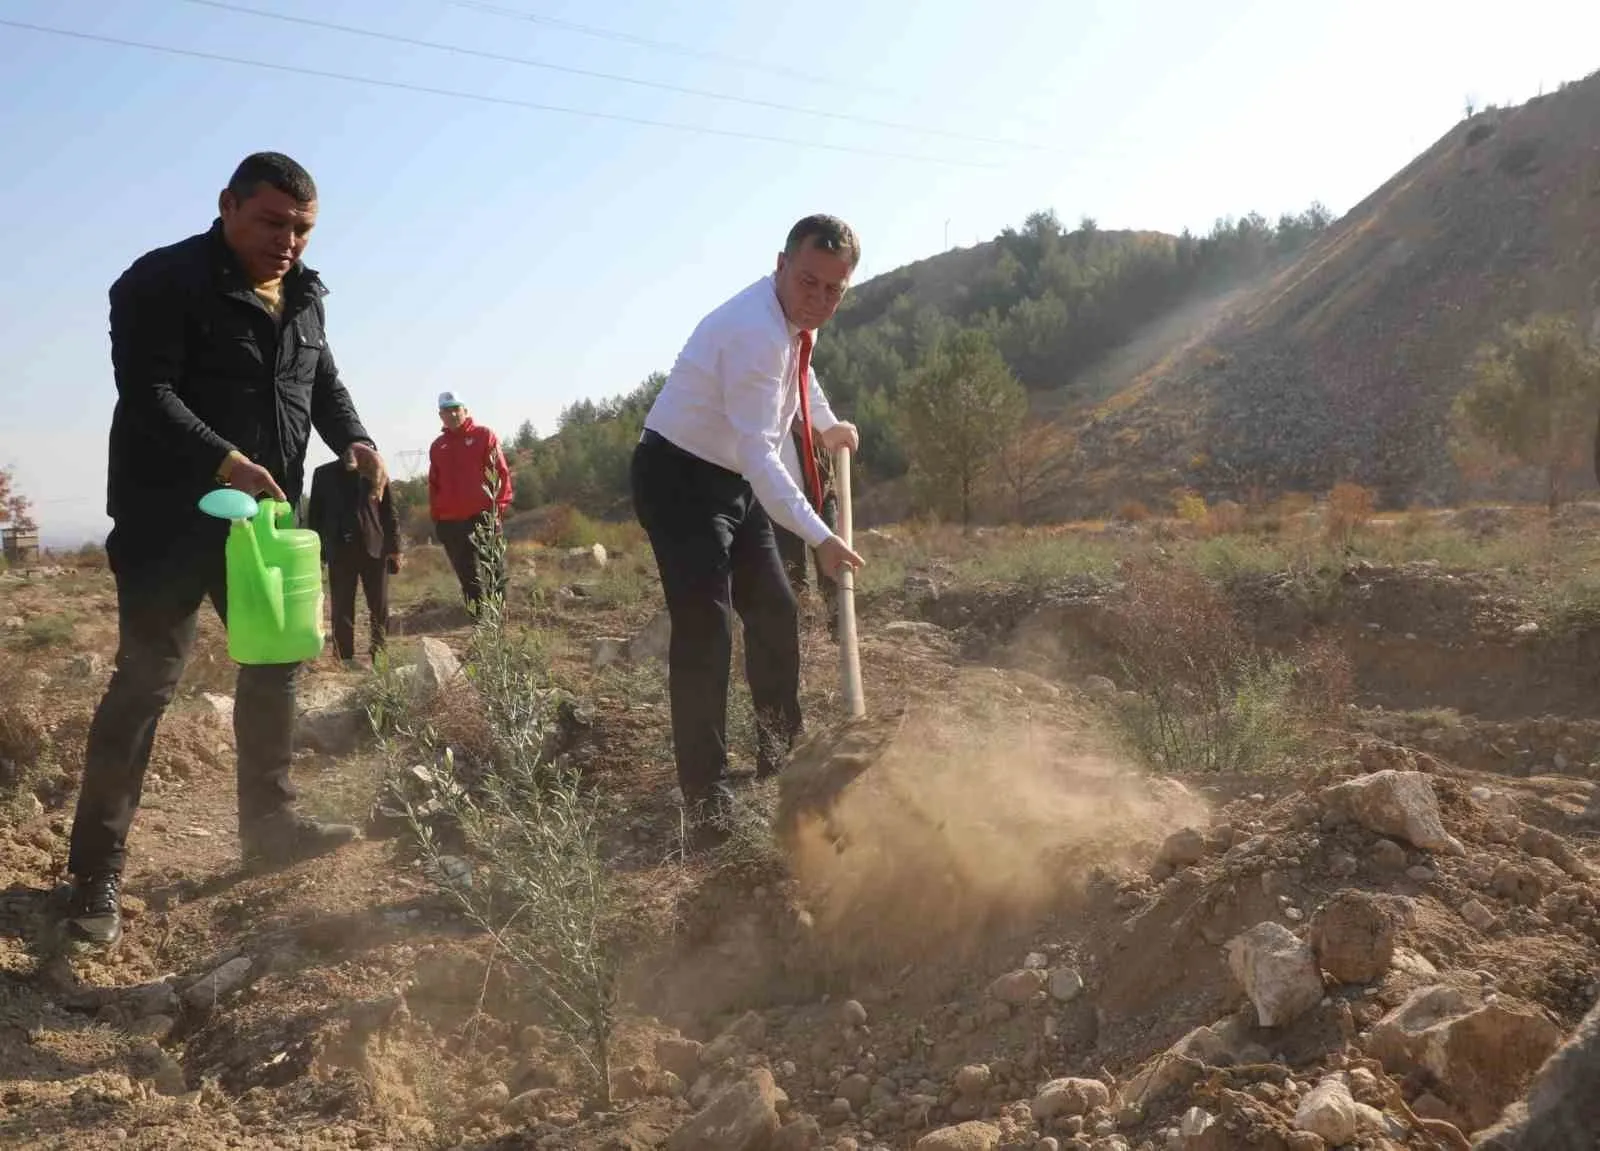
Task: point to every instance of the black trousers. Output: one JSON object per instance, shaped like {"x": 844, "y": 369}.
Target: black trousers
{"x": 159, "y": 593}
{"x": 456, "y": 536}
{"x": 797, "y": 557}
{"x": 348, "y": 565}
{"x": 716, "y": 554}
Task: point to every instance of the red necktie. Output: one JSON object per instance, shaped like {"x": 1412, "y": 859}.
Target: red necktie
{"x": 812, "y": 476}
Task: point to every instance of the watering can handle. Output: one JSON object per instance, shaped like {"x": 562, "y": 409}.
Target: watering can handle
{"x": 849, "y": 650}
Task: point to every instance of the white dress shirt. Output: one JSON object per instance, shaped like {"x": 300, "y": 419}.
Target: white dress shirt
{"x": 731, "y": 399}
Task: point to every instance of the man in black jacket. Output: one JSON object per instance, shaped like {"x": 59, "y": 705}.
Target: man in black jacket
{"x": 360, "y": 544}
{"x": 222, "y": 371}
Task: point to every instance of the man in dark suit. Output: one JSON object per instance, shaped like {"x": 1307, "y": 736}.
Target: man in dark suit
{"x": 360, "y": 544}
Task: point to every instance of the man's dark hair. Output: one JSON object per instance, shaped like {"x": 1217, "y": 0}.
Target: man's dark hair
{"x": 829, "y": 233}
{"x": 275, "y": 170}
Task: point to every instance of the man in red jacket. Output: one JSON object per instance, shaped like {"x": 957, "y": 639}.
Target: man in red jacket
{"x": 463, "y": 464}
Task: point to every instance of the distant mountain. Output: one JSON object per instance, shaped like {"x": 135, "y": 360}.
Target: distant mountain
{"x": 1344, "y": 364}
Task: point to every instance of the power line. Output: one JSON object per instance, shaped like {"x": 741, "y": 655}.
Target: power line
{"x": 660, "y": 45}
{"x": 504, "y": 101}
{"x": 527, "y": 62}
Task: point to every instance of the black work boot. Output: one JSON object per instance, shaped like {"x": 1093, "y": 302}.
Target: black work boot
{"x": 289, "y": 837}
{"x": 94, "y": 915}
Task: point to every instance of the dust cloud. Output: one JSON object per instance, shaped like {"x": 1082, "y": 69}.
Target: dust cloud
{"x": 927, "y": 833}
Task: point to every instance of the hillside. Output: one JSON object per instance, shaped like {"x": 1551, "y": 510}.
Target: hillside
{"x": 1344, "y": 364}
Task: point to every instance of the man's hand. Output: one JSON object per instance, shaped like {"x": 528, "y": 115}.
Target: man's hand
{"x": 395, "y": 564}
{"x": 833, "y": 556}
{"x": 238, "y": 471}
{"x": 370, "y": 464}
{"x": 842, "y": 435}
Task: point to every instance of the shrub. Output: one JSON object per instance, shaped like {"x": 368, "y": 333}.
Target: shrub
{"x": 1188, "y": 506}
{"x": 1133, "y": 512}
{"x": 22, "y": 728}
{"x": 1349, "y": 510}
{"x": 1209, "y": 700}
{"x": 533, "y": 877}
{"x": 44, "y": 631}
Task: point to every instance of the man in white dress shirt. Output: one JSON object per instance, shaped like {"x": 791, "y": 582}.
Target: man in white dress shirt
{"x": 706, "y": 476}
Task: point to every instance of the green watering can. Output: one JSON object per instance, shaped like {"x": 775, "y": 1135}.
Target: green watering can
{"x": 274, "y": 580}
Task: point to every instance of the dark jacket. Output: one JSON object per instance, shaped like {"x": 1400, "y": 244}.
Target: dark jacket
{"x": 201, "y": 368}
{"x": 342, "y": 512}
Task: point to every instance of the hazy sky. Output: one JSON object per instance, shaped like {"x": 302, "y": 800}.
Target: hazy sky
{"x": 529, "y": 257}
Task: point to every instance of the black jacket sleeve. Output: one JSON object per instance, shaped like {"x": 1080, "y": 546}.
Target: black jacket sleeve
{"x": 333, "y": 413}
{"x": 147, "y": 360}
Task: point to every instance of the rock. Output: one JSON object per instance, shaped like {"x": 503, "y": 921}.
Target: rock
{"x": 166, "y": 1073}
{"x": 492, "y": 1099}
{"x": 1562, "y": 1108}
{"x": 531, "y": 1105}
{"x": 856, "y": 1090}
{"x": 1430, "y": 1106}
{"x": 1183, "y": 848}
{"x": 1547, "y": 845}
{"x": 1328, "y": 1111}
{"x": 216, "y": 985}
{"x": 721, "y": 1049}
{"x": 1353, "y": 937}
{"x": 1065, "y": 984}
{"x": 1395, "y": 803}
{"x": 1174, "y": 1069}
{"x": 606, "y": 650}
{"x": 962, "y": 1137}
{"x": 436, "y": 665}
{"x": 1064, "y": 1097}
{"x": 592, "y": 558}
{"x": 1196, "y": 1122}
{"x": 87, "y": 664}
{"x": 1414, "y": 963}
{"x": 1478, "y": 915}
{"x": 973, "y": 1080}
{"x": 157, "y": 1028}
{"x": 334, "y": 724}
{"x": 679, "y": 1056}
{"x": 1480, "y": 1054}
{"x": 804, "y": 1134}
{"x": 1387, "y": 855}
{"x": 838, "y": 1112}
{"x": 221, "y": 706}
{"x": 654, "y": 639}
{"x": 742, "y": 1117}
{"x": 1303, "y": 1141}
{"x": 1099, "y": 687}
{"x": 158, "y": 998}
{"x": 1277, "y": 971}
{"x": 853, "y": 1014}
{"x": 1018, "y": 987}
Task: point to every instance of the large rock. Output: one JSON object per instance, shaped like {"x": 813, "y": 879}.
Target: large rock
{"x": 1480, "y": 1054}
{"x": 332, "y": 719}
{"x": 1329, "y": 1110}
{"x": 653, "y": 640}
{"x": 1353, "y": 936}
{"x": 437, "y": 666}
{"x": 743, "y": 1117}
{"x": 1563, "y": 1106}
{"x": 1278, "y": 971}
{"x": 1068, "y": 1097}
{"x": 1183, "y": 848}
{"x": 1017, "y": 987}
{"x": 1395, "y": 803}
{"x": 1220, "y": 1044}
{"x": 963, "y": 1137}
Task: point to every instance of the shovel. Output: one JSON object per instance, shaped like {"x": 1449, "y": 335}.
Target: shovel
{"x": 849, "y": 647}
{"x": 827, "y": 763}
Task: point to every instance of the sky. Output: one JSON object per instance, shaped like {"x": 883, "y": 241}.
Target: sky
{"x": 530, "y": 235}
